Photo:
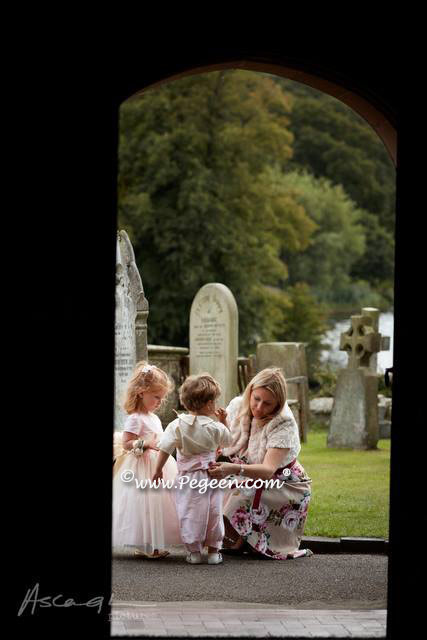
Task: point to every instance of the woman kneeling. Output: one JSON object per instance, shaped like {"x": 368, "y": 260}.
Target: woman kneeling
{"x": 268, "y": 517}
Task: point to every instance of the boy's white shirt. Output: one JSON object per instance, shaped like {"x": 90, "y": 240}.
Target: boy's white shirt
{"x": 192, "y": 434}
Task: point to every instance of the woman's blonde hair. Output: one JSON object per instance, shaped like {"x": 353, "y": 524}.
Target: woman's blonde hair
{"x": 197, "y": 391}
{"x": 146, "y": 377}
{"x": 271, "y": 379}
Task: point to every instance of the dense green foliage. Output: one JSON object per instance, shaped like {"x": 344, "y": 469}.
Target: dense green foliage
{"x": 221, "y": 179}
{"x": 333, "y": 141}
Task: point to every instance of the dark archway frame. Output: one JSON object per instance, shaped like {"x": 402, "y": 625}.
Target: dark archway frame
{"x": 382, "y": 116}
{"x": 64, "y": 310}
{"x": 379, "y": 122}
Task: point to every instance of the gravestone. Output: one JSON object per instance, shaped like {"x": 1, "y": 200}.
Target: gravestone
{"x": 170, "y": 360}
{"x": 354, "y": 417}
{"x": 130, "y": 323}
{"x": 385, "y": 340}
{"x": 214, "y": 337}
{"x": 291, "y": 358}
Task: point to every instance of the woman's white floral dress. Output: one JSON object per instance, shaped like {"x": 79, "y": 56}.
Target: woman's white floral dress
{"x": 270, "y": 520}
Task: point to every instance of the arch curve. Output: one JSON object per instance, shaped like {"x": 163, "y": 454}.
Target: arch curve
{"x": 380, "y": 122}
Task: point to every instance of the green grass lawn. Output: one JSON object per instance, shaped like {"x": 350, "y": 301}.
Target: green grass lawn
{"x": 350, "y": 490}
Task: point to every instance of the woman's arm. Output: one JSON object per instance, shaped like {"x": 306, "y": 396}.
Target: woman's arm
{"x": 264, "y": 471}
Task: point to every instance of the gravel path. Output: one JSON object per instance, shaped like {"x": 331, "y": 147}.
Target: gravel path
{"x": 350, "y": 581}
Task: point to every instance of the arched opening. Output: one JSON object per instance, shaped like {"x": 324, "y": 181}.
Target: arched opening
{"x": 65, "y": 307}
{"x": 379, "y": 122}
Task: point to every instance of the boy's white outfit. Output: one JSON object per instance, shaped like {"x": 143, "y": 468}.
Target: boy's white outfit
{"x": 196, "y": 439}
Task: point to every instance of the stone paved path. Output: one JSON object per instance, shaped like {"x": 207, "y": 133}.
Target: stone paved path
{"x": 220, "y": 619}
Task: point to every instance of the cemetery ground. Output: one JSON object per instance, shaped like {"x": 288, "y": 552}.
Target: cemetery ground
{"x": 350, "y": 490}
{"x": 350, "y": 498}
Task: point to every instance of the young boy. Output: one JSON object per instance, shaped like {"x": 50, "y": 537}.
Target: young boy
{"x": 196, "y": 436}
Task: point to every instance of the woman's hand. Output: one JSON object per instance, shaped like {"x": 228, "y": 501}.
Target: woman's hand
{"x": 221, "y": 470}
{"x": 221, "y": 415}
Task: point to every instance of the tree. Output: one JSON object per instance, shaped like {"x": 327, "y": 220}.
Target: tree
{"x": 333, "y": 141}
{"x": 200, "y": 196}
{"x": 304, "y": 320}
{"x": 335, "y": 245}
{"x": 376, "y": 265}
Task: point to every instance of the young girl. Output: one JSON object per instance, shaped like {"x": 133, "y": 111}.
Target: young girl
{"x": 197, "y": 436}
{"x": 142, "y": 517}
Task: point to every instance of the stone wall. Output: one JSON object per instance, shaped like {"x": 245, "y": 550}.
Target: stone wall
{"x": 171, "y": 360}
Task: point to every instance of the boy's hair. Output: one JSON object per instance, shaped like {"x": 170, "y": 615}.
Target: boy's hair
{"x": 272, "y": 379}
{"x": 146, "y": 377}
{"x": 197, "y": 391}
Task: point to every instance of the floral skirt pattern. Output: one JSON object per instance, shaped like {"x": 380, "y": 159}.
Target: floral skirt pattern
{"x": 276, "y": 526}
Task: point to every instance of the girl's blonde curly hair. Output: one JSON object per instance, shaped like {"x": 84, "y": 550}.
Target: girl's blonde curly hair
{"x": 146, "y": 377}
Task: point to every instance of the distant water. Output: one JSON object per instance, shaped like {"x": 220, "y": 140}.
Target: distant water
{"x": 337, "y": 358}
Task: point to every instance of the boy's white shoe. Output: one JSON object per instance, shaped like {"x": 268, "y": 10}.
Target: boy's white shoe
{"x": 214, "y": 558}
{"x": 194, "y": 558}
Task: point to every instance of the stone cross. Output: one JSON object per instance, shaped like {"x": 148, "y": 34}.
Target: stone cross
{"x": 354, "y": 417}
{"x": 361, "y": 341}
{"x": 385, "y": 340}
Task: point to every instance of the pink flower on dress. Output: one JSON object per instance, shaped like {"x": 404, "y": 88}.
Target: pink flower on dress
{"x": 303, "y": 507}
{"x": 296, "y": 469}
{"x": 260, "y": 515}
{"x": 261, "y": 545}
{"x": 241, "y": 521}
{"x": 291, "y": 520}
{"x": 284, "y": 510}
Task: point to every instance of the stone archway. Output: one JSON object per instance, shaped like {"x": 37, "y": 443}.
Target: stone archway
{"x": 373, "y": 115}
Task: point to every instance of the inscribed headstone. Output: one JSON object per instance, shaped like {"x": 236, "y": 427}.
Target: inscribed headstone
{"x": 214, "y": 337}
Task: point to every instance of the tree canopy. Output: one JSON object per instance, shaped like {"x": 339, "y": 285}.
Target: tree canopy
{"x": 200, "y": 197}
{"x": 277, "y": 191}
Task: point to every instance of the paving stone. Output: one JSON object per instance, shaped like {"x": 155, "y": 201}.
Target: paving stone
{"x": 289, "y": 633}
{"x": 333, "y": 631}
{"x": 194, "y": 629}
{"x": 243, "y": 622}
{"x": 118, "y": 629}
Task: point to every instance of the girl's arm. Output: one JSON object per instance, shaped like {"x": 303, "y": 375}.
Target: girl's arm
{"x": 161, "y": 459}
{"x": 264, "y": 471}
{"x": 130, "y": 438}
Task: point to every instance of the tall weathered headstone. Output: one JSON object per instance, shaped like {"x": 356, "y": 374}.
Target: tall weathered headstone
{"x": 354, "y": 417}
{"x": 130, "y": 322}
{"x": 214, "y": 337}
{"x": 291, "y": 358}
